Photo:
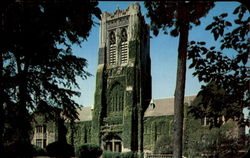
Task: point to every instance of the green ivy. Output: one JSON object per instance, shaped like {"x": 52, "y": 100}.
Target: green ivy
{"x": 112, "y": 128}
{"x": 155, "y": 127}
{"x": 114, "y": 118}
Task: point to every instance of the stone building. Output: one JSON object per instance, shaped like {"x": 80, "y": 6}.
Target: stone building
{"x": 157, "y": 123}
{"x": 117, "y": 122}
{"x": 123, "y": 80}
{"x": 45, "y": 131}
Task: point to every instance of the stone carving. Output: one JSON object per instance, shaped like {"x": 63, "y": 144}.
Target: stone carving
{"x": 116, "y": 71}
{"x": 122, "y": 21}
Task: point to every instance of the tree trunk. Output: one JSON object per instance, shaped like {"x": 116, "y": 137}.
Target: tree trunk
{"x": 1, "y": 105}
{"x": 1, "y": 91}
{"x": 180, "y": 90}
{"x": 23, "y": 116}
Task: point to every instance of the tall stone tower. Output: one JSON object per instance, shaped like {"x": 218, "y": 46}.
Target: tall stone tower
{"x": 123, "y": 81}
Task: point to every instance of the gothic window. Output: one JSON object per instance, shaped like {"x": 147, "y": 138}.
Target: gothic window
{"x": 116, "y": 98}
{"x": 124, "y": 46}
{"x": 39, "y": 129}
{"x": 39, "y": 143}
{"x": 112, "y": 48}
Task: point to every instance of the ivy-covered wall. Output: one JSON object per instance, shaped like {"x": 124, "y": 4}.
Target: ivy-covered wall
{"x": 79, "y": 133}
{"x": 98, "y": 107}
{"x": 157, "y": 136}
{"x": 155, "y": 127}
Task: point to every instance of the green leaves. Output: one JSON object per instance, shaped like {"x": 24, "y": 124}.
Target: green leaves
{"x": 212, "y": 48}
{"x": 46, "y": 74}
{"x": 223, "y": 15}
{"x": 192, "y": 65}
{"x": 164, "y": 15}
{"x": 228, "y": 23}
{"x": 202, "y": 43}
{"x": 218, "y": 26}
{"x": 226, "y": 78}
{"x": 174, "y": 32}
{"x": 97, "y": 12}
{"x": 236, "y": 10}
{"x": 209, "y": 27}
{"x": 243, "y": 57}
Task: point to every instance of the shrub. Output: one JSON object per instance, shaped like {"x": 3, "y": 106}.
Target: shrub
{"x": 164, "y": 145}
{"x": 60, "y": 149}
{"x": 19, "y": 149}
{"x": 108, "y": 154}
{"x": 39, "y": 151}
{"x": 89, "y": 151}
{"x": 128, "y": 155}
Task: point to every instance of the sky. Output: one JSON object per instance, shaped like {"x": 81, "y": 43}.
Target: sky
{"x": 163, "y": 51}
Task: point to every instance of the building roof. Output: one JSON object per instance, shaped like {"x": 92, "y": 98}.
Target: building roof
{"x": 161, "y": 107}
{"x": 164, "y": 106}
{"x": 85, "y": 113}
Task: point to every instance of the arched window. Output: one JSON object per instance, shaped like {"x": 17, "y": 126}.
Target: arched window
{"x": 116, "y": 98}
{"x": 112, "y": 38}
{"x": 124, "y": 36}
{"x": 124, "y": 46}
{"x": 112, "y": 48}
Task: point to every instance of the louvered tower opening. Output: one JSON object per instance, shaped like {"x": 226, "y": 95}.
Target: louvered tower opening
{"x": 124, "y": 46}
{"x": 112, "y": 49}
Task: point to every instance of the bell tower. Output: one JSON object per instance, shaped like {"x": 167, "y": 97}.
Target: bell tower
{"x": 123, "y": 80}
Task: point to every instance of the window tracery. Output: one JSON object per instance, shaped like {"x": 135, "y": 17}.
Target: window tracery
{"x": 112, "y": 48}
{"x": 116, "y": 99}
{"x": 124, "y": 46}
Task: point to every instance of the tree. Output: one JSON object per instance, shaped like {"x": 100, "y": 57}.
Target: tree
{"x": 219, "y": 142}
{"x": 226, "y": 92}
{"x": 89, "y": 150}
{"x": 176, "y": 18}
{"x": 164, "y": 145}
{"x": 60, "y": 149}
{"x": 36, "y": 61}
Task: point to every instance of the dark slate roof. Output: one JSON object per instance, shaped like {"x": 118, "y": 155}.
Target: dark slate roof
{"x": 164, "y": 106}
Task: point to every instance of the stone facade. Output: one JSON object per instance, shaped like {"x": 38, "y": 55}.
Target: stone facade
{"x": 157, "y": 126}
{"x": 44, "y": 131}
{"x": 123, "y": 81}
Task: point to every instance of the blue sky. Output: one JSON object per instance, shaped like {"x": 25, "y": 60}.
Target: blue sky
{"x": 163, "y": 49}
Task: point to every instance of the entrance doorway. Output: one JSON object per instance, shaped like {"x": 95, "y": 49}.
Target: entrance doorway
{"x": 113, "y": 144}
